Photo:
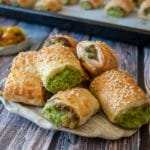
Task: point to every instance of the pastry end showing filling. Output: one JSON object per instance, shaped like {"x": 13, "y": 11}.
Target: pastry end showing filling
{"x": 116, "y": 12}
{"x": 134, "y": 117}
{"x": 91, "y": 52}
{"x": 64, "y": 80}
{"x": 61, "y": 115}
{"x": 86, "y": 5}
{"x": 59, "y": 40}
{"x": 147, "y": 12}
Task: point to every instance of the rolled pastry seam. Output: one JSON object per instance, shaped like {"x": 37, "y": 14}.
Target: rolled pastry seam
{"x": 69, "y": 2}
{"x": 59, "y": 68}
{"x": 96, "y": 57}
{"x": 91, "y": 4}
{"x": 144, "y": 11}
{"x": 48, "y": 5}
{"x": 65, "y": 40}
{"x": 71, "y": 108}
{"x": 23, "y": 84}
{"x": 119, "y": 8}
{"x": 122, "y": 100}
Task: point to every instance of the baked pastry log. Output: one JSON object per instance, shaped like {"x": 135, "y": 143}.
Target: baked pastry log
{"x": 58, "y": 67}
{"x": 23, "y": 84}
{"x": 65, "y": 40}
{"x": 91, "y": 4}
{"x": 71, "y": 108}
{"x": 48, "y": 5}
{"x": 96, "y": 57}
{"x": 144, "y": 11}
{"x": 119, "y": 8}
{"x": 122, "y": 100}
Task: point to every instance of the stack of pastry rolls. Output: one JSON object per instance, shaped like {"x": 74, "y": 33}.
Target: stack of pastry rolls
{"x": 60, "y": 68}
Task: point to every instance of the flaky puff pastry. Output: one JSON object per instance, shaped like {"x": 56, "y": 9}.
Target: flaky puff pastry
{"x": 116, "y": 92}
{"x": 94, "y": 3}
{"x": 23, "y": 84}
{"x": 48, "y": 5}
{"x": 126, "y": 5}
{"x": 142, "y": 11}
{"x": 79, "y": 101}
{"x": 104, "y": 58}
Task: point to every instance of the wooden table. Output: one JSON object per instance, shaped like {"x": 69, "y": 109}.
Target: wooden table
{"x": 17, "y": 133}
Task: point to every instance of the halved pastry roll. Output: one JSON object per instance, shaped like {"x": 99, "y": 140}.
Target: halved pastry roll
{"x": 119, "y": 8}
{"x": 96, "y": 57}
{"x": 48, "y": 5}
{"x": 71, "y": 108}
{"x": 23, "y": 84}
{"x": 122, "y": 100}
{"x": 91, "y": 4}
{"x": 144, "y": 11}
{"x": 59, "y": 68}
{"x": 65, "y": 40}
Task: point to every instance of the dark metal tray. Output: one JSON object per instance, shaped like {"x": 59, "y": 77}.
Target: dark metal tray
{"x": 77, "y": 24}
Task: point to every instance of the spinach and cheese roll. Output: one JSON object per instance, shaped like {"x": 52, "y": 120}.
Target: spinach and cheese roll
{"x": 59, "y": 68}
{"x": 69, "y": 2}
{"x": 71, "y": 108}
{"x": 144, "y": 11}
{"x": 48, "y": 5}
{"x": 122, "y": 100}
{"x": 91, "y": 4}
{"x": 65, "y": 40}
{"x": 119, "y": 8}
{"x": 96, "y": 57}
{"x": 23, "y": 84}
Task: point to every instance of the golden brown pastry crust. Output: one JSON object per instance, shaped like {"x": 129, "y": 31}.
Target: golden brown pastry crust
{"x": 144, "y": 5}
{"x": 23, "y": 84}
{"x": 52, "y": 60}
{"x": 81, "y": 100}
{"x": 117, "y": 91}
{"x": 126, "y": 5}
{"x": 95, "y": 3}
{"x": 51, "y": 5}
{"x": 26, "y": 3}
{"x": 106, "y": 62}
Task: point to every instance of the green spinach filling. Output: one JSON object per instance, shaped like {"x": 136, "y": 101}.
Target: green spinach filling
{"x": 69, "y": 77}
{"x": 59, "y": 40}
{"x": 116, "y": 12}
{"x": 61, "y": 115}
{"x": 91, "y": 52}
{"x": 86, "y": 5}
{"x": 147, "y": 12}
{"x": 134, "y": 117}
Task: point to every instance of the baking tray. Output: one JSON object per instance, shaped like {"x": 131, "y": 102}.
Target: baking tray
{"x": 95, "y": 22}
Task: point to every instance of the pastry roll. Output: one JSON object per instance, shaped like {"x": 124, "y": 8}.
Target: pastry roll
{"x": 119, "y": 8}
{"x": 71, "y": 108}
{"x": 96, "y": 57}
{"x": 23, "y": 84}
{"x": 63, "y": 40}
{"x": 59, "y": 68}
{"x": 91, "y": 4}
{"x": 48, "y": 5}
{"x": 122, "y": 100}
{"x": 144, "y": 11}
{"x": 69, "y": 2}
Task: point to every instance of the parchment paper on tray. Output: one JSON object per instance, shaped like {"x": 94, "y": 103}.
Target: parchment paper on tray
{"x": 97, "y": 126}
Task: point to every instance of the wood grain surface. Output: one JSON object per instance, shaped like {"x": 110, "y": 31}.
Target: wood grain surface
{"x": 17, "y": 133}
